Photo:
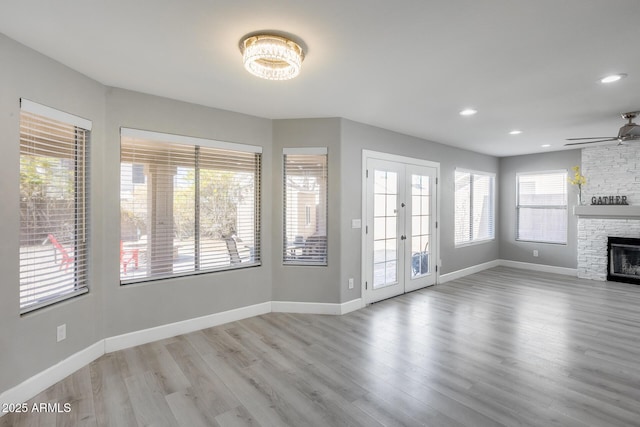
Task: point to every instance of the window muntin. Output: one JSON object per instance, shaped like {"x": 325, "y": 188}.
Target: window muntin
{"x": 54, "y": 181}
{"x": 305, "y": 206}
{"x": 474, "y": 207}
{"x": 542, "y": 207}
{"x": 196, "y": 207}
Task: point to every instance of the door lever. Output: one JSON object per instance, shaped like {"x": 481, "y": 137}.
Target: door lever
{"x": 403, "y": 237}
{"x": 402, "y": 204}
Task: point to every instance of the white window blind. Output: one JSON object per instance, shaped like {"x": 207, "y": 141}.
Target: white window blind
{"x": 54, "y": 182}
{"x": 542, "y": 207}
{"x": 187, "y": 205}
{"x": 474, "y": 207}
{"x": 305, "y": 206}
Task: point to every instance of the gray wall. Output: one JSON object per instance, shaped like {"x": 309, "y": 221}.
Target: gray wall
{"x": 549, "y": 254}
{"x": 134, "y": 307}
{"x": 307, "y": 283}
{"x": 28, "y": 343}
{"x": 357, "y": 137}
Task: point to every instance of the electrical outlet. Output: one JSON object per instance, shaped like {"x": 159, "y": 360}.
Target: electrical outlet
{"x": 351, "y": 283}
{"x": 535, "y": 252}
{"x": 62, "y": 332}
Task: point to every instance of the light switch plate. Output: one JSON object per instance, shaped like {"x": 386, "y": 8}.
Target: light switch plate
{"x": 356, "y": 223}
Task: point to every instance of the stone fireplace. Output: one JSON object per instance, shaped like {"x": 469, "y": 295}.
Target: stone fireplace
{"x": 610, "y": 171}
{"x": 623, "y": 261}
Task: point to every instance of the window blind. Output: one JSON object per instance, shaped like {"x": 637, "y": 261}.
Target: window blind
{"x": 188, "y": 205}
{"x": 474, "y": 206}
{"x": 542, "y": 207}
{"x": 305, "y": 206}
{"x": 54, "y": 182}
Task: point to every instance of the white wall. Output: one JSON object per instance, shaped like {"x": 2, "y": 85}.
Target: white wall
{"x": 610, "y": 170}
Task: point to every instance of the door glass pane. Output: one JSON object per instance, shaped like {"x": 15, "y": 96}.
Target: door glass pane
{"x": 420, "y": 225}
{"x": 385, "y": 267}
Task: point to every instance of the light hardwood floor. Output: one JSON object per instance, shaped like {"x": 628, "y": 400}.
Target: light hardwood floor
{"x": 504, "y": 347}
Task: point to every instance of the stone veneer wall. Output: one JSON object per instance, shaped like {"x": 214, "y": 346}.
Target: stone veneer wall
{"x": 610, "y": 170}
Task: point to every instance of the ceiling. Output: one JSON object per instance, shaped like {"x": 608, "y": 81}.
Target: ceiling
{"x": 408, "y": 65}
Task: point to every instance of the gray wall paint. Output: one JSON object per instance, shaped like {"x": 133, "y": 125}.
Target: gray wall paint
{"x": 301, "y": 283}
{"x": 134, "y": 307}
{"x": 28, "y": 343}
{"x": 357, "y": 137}
{"x": 549, "y": 254}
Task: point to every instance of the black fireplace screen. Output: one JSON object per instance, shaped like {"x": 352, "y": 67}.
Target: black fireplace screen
{"x": 624, "y": 260}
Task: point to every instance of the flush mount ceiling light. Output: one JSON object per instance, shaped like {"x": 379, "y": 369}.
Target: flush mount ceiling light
{"x": 468, "y": 112}
{"x": 612, "y": 78}
{"x": 271, "y": 57}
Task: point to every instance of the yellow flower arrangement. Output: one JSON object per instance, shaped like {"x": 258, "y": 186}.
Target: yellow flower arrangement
{"x": 579, "y": 180}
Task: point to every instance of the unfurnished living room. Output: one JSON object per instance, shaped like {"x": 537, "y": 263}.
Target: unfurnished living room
{"x": 328, "y": 213}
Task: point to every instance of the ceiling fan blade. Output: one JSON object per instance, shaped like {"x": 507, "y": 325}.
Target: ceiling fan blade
{"x": 591, "y": 142}
{"x": 591, "y": 137}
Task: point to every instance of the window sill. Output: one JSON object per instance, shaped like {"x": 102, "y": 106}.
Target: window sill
{"x": 474, "y": 243}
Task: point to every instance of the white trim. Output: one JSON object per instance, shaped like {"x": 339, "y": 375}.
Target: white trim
{"x": 316, "y": 307}
{"x": 305, "y": 150}
{"x": 144, "y": 336}
{"x": 444, "y": 278}
{"x": 45, "y": 379}
{"x": 188, "y": 140}
{"x": 539, "y": 267}
{"x": 507, "y": 263}
{"x": 353, "y": 305}
{"x": 52, "y": 113}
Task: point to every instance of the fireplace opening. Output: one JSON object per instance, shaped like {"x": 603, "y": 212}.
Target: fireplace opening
{"x": 624, "y": 260}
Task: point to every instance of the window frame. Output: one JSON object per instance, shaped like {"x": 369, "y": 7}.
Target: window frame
{"x": 308, "y": 151}
{"x": 492, "y": 192}
{"x": 559, "y": 207}
{"x": 80, "y": 261}
{"x": 197, "y": 144}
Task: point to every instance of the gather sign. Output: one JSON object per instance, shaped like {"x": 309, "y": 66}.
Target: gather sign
{"x": 609, "y": 200}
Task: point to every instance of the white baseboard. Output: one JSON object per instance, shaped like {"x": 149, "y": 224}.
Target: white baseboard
{"x": 45, "y": 379}
{"x": 444, "y": 278}
{"x": 315, "y": 307}
{"x": 539, "y": 267}
{"x": 144, "y": 336}
{"x": 353, "y": 305}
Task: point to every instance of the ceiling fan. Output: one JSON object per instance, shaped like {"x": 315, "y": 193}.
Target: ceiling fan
{"x": 628, "y": 132}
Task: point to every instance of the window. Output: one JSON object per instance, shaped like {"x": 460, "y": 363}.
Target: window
{"x": 305, "y": 206}
{"x": 54, "y": 177}
{"x": 474, "y": 207}
{"x": 542, "y": 207}
{"x": 187, "y": 205}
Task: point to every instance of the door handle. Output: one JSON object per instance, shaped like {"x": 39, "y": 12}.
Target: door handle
{"x": 403, "y": 237}
{"x": 402, "y": 204}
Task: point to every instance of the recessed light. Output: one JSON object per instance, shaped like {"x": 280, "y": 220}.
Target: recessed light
{"x": 515, "y": 132}
{"x": 468, "y": 112}
{"x": 546, "y": 145}
{"x": 612, "y": 78}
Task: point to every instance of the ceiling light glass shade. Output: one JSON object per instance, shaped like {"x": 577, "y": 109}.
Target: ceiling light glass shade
{"x": 272, "y": 57}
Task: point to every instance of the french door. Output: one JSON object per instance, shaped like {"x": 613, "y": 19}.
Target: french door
{"x": 400, "y": 231}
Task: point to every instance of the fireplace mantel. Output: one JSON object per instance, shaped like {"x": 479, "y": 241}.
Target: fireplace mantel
{"x": 607, "y": 211}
